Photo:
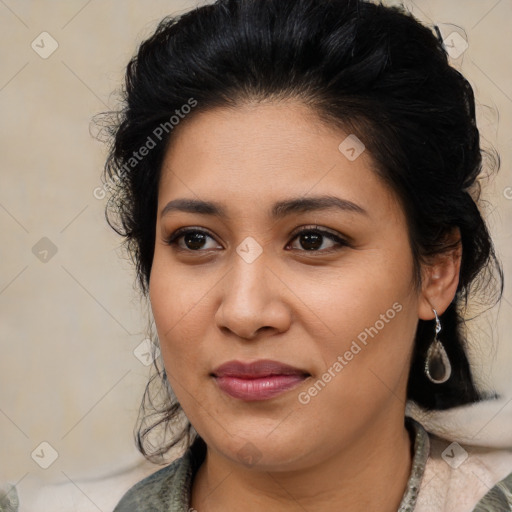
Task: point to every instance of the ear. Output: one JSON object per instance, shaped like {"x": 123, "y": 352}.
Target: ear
{"x": 440, "y": 278}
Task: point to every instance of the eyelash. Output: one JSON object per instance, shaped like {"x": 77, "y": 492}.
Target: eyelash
{"x": 172, "y": 240}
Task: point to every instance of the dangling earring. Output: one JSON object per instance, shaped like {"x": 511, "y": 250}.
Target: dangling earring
{"x": 437, "y": 365}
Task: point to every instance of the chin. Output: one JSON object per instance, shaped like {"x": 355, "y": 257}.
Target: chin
{"x": 254, "y": 448}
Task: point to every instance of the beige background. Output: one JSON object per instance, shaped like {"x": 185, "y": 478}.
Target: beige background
{"x": 69, "y": 325}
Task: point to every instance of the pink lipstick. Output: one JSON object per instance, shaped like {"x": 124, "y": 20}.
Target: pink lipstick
{"x": 259, "y": 380}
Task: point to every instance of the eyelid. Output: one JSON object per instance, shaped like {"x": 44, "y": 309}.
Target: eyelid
{"x": 186, "y": 229}
{"x": 316, "y": 227}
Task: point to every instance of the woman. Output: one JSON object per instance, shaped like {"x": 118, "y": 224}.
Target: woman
{"x": 297, "y": 184}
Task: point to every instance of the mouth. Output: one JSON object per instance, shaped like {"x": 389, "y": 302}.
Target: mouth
{"x": 259, "y": 380}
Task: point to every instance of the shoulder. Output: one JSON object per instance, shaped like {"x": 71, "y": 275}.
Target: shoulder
{"x": 152, "y": 494}
{"x": 168, "y": 489}
{"x": 499, "y": 498}
{"x": 460, "y": 478}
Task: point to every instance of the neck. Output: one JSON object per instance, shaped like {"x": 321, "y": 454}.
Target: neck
{"x": 371, "y": 474}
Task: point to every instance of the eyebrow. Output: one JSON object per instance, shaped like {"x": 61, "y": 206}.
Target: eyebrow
{"x": 278, "y": 210}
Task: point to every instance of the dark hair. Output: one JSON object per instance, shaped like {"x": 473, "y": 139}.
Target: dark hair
{"x": 371, "y": 70}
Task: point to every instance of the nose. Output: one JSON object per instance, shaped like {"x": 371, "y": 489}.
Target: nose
{"x": 253, "y": 300}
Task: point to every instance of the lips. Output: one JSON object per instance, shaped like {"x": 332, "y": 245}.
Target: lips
{"x": 259, "y": 380}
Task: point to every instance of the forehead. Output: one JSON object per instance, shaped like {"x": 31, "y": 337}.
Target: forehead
{"x": 258, "y": 153}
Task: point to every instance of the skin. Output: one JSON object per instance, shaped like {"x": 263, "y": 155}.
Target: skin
{"x": 347, "y": 448}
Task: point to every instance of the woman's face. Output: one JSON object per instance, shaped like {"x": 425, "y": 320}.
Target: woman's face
{"x": 334, "y": 309}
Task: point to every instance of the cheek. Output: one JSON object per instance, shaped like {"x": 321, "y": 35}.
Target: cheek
{"x": 179, "y": 306}
{"x": 174, "y": 290}
{"x": 362, "y": 294}
{"x": 179, "y": 302}
{"x": 368, "y": 314}
{"x": 364, "y": 357}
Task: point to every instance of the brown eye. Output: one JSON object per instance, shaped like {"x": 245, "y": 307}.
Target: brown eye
{"x": 192, "y": 239}
{"x": 314, "y": 239}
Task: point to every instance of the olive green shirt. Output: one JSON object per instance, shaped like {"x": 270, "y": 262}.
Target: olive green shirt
{"x": 169, "y": 489}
